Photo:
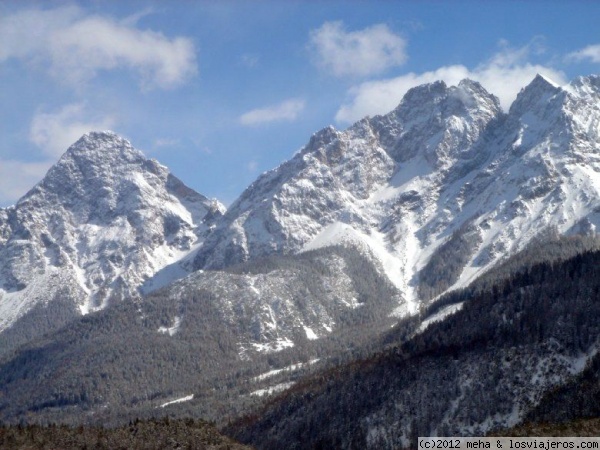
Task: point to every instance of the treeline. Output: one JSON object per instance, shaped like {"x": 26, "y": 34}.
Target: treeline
{"x": 40, "y": 320}
{"x": 448, "y": 261}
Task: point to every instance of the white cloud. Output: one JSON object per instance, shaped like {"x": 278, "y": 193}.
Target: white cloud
{"x": 75, "y": 47}
{"x": 503, "y": 75}
{"x": 134, "y": 18}
{"x": 591, "y": 52}
{"x": 356, "y": 53}
{"x": 17, "y": 177}
{"x": 508, "y": 71}
{"x": 285, "y": 111}
{"x": 54, "y": 132}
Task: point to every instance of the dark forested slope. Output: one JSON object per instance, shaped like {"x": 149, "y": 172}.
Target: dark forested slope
{"x": 485, "y": 367}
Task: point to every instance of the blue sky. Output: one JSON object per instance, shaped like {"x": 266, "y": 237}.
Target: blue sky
{"x": 220, "y": 91}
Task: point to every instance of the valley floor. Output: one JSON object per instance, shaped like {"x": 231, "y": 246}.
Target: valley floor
{"x": 147, "y": 435}
{"x": 582, "y": 428}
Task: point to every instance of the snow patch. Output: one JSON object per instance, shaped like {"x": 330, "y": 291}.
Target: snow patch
{"x": 310, "y": 334}
{"x": 173, "y": 329}
{"x": 439, "y": 316}
{"x": 291, "y": 368}
{"x": 273, "y": 347}
{"x": 339, "y": 233}
{"x": 273, "y": 389}
{"x": 187, "y": 398}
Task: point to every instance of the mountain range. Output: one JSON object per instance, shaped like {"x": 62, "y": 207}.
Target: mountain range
{"x": 376, "y": 226}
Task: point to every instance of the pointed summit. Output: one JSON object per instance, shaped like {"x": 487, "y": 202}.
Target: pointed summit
{"x": 539, "y": 90}
{"x": 540, "y": 78}
{"x": 94, "y": 162}
{"x": 104, "y": 148}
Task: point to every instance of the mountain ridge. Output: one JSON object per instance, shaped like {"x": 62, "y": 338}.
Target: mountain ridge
{"x": 445, "y": 162}
{"x": 447, "y": 172}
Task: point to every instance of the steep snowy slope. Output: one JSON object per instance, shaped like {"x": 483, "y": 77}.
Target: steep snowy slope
{"x": 441, "y": 188}
{"x": 103, "y": 220}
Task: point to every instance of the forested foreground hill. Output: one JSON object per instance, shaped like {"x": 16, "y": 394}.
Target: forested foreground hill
{"x": 147, "y": 435}
{"x": 505, "y": 357}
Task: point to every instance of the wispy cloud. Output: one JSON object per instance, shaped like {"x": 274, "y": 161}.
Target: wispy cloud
{"x": 509, "y": 70}
{"x": 54, "y": 132}
{"x": 356, "y": 53}
{"x": 166, "y": 142}
{"x": 504, "y": 74}
{"x": 591, "y": 53}
{"x": 74, "y": 47}
{"x": 134, "y": 18}
{"x": 285, "y": 111}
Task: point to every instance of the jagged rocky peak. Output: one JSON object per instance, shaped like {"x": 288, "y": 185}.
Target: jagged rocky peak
{"x": 583, "y": 99}
{"x": 563, "y": 119}
{"x": 438, "y": 121}
{"x": 103, "y": 146}
{"x": 438, "y": 98}
{"x": 475, "y": 99}
{"x": 96, "y": 156}
{"x": 321, "y": 138}
{"x": 102, "y": 176}
{"x": 333, "y": 176}
{"x": 427, "y": 93}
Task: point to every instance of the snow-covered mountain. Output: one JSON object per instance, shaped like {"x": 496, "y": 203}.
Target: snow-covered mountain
{"x": 102, "y": 221}
{"x": 441, "y": 188}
